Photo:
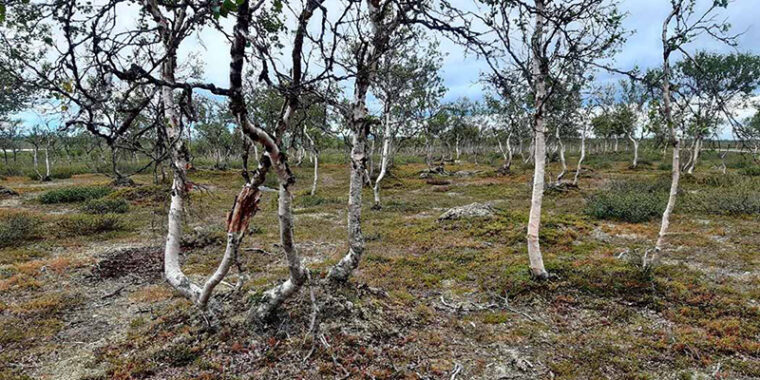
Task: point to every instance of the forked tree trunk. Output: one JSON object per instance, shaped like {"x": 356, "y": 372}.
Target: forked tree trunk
{"x": 582, "y": 156}
{"x": 635, "y": 151}
{"x": 723, "y": 161}
{"x": 539, "y": 72}
{"x": 244, "y": 206}
{"x": 694, "y": 155}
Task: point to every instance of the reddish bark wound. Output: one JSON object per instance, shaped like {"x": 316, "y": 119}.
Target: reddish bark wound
{"x": 246, "y": 204}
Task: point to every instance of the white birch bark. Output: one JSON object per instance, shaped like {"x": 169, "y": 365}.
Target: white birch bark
{"x": 582, "y": 156}
{"x": 635, "y": 150}
{"x": 539, "y": 71}
{"x": 675, "y": 142}
{"x": 384, "y": 155}
{"x": 561, "y": 157}
{"x": 359, "y": 124}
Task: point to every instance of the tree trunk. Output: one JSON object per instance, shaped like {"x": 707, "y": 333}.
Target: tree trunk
{"x": 561, "y": 158}
{"x": 315, "y": 157}
{"x": 694, "y": 155}
{"x": 384, "y": 155}
{"x": 457, "y": 148}
{"x": 583, "y": 155}
{"x": 540, "y": 72}
{"x": 635, "y": 151}
{"x": 47, "y": 164}
{"x": 675, "y": 142}
{"x": 359, "y": 124}
{"x": 34, "y": 158}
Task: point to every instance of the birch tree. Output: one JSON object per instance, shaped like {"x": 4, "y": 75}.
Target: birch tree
{"x": 407, "y": 77}
{"x": 384, "y": 18}
{"x": 683, "y": 24}
{"x": 541, "y": 41}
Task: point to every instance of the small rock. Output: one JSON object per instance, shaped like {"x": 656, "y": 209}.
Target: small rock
{"x": 466, "y": 173}
{"x": 600, "y": 235}
{"x": 473, "y": 210}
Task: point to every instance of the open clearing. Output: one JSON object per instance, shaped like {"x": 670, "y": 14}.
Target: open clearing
{"x": 448, "y": 299}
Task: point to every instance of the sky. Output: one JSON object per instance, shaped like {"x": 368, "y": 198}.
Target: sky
{"x": 461, "y": 72}
{"x": 643, "y": 48}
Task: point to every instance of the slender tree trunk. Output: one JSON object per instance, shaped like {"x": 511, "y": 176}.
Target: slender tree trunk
{"x": 34, "y": 158}
{"x": 539, "y": 72}
{"x": 384, "y": 155}
{"x": 675, "y": 141}
{"x": 359, "y": 125}
{"x": 47, "y": 164}
{"x": 583, "y": 155}
{"x": 561, "y": 157}
{"x": 635, "y": 151}
{"x": 508, "y": 164}
{"x": 315, "y": 156}
{"x": 314, "y": 160}
{"x": 694, "y": 155}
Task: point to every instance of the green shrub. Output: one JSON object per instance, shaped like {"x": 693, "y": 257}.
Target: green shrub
{"x": 316, "y": 200}
{"x": 151, "y": 193}
{"x": 743, "y": 198}
{"x": 752, "y": 171}
{"x": 17, "y": 228}
{"x": 74, "y": 194}
{"x": 712, "y": 180}
{"x": 106, "y": 206}
{"x": 628, "y": 201}
{"x": 82, "y": 225}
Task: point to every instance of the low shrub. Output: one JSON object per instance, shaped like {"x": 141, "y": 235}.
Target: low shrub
{"x": 752, "y": 171}
{"x": 105, "y": 206}
{"x": 82, "y": 225}
{"x": 74, "y": 194}
{"x": 316, "y": 200}
{"x": 17, "y": 228}
{"x": 743, "y": 198}
{"x": 628, "y": 201}
{"x": 150, "y": 193}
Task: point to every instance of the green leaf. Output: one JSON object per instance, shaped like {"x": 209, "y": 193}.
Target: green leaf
{"x": 2, "y": 12}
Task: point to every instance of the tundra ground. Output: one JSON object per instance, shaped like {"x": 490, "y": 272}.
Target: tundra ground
{"x": 81, "y": 293}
